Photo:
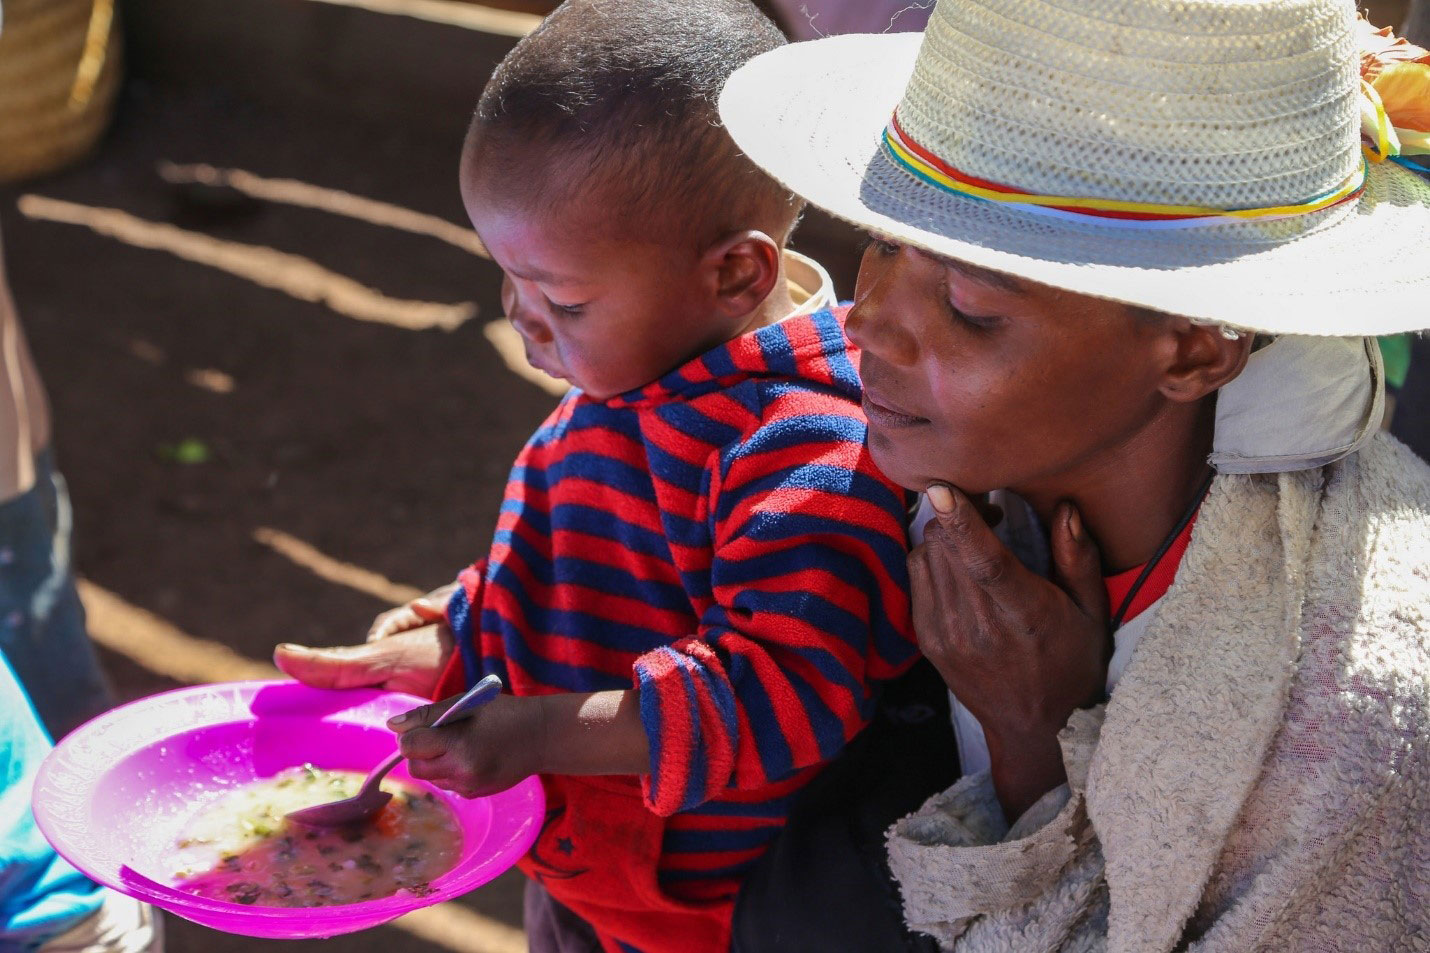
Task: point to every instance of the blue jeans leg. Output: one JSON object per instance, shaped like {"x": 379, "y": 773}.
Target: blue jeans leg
{"x": 42, "y": 629}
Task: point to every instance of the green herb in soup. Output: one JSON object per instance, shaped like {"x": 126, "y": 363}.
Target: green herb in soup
{"x": 240, "y": 849}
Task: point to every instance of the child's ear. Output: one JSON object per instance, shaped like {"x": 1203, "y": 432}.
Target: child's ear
{"x": 745, "y": 268}
{"x": 1203, "y": 359}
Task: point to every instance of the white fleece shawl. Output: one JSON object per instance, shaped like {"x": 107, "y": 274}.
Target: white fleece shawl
{"x": 1260, "y": 779}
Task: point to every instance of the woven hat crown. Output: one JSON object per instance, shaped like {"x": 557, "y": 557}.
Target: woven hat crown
{"x": 1222, "y": 104}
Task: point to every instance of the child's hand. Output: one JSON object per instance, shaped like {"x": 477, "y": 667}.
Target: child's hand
{"x": 421, "y": 611}
{"x": 499, "y": 745}
{"x": 512, "y": 737}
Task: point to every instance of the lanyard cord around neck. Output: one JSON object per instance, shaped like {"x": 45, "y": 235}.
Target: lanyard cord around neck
{"x": 1121, "y": 615}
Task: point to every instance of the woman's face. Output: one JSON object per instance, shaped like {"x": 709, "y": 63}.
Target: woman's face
{"x": 986, "y": 381}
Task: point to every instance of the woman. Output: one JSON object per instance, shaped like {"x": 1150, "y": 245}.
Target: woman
{"x": 1086, "y": 217}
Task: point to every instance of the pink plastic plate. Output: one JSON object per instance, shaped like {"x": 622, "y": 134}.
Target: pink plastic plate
{"x": 113, "y": 795}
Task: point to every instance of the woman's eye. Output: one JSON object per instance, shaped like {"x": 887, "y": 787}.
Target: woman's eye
{"x": 880, "y": 246}
{"x": 978, "y": 322}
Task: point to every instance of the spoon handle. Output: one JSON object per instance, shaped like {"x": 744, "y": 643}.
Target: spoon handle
{"x": 375, "y": 776}
{"x": 481, "y": 693}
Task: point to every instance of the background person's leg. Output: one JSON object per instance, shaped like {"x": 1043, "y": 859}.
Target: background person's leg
{"x": 41, "y": 620}
{"x": 122, "y": 925}
{"x": 40, "y": 895}
{"x": 45, "y": 904}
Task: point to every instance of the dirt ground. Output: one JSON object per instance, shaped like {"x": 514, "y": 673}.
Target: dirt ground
{"x": 378, "y": 446}
{"x": 333, "y": 462}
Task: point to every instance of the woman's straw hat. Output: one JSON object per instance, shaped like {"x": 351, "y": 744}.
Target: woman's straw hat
{"x": 1198, "y": 157}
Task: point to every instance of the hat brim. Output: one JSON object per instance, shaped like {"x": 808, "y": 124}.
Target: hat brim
{"x": 812, "y": 115}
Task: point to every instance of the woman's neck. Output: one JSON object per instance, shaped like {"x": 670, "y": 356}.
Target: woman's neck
{"x": 1132, "y": 495}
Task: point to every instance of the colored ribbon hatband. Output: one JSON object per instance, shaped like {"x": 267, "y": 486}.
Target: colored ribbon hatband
{"x": 928, "y": 167}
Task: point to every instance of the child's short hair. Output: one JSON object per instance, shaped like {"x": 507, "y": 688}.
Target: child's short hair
{"x": 627, "y": 91}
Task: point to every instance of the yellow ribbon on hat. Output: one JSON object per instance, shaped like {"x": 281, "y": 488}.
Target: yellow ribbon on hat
{"x": 1375, "y": 125}
{"x": 1387, "y": 140}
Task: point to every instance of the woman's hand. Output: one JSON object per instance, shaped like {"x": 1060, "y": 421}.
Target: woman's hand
{"x": 424, "y": 610}
{"x": 410, "y": 661}
{"x": 1019, "y": 651}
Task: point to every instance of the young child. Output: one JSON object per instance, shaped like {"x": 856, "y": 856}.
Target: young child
{"x": 697, "y": 572}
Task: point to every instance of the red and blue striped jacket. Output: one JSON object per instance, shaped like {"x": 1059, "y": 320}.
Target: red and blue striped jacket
{"x": 721, "y": 541}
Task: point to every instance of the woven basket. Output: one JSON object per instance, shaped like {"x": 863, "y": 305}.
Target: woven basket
{"x": 59, "y": 75}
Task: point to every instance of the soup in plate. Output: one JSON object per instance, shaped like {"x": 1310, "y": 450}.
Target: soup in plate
{"x": 241, "y": 849}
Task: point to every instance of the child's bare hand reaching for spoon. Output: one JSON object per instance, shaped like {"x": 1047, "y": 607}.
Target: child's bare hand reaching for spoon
{"x": 511, "y": 738}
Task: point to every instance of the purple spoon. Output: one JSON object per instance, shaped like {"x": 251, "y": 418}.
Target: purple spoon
{"x": 370, "y": 797}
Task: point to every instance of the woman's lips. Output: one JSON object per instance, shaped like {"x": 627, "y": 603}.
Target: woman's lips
{"x": 884, "y": 415}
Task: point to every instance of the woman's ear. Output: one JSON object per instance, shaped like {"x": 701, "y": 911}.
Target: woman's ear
{"x": 745, "y": 267}
{"x": 1204, "y": 360}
